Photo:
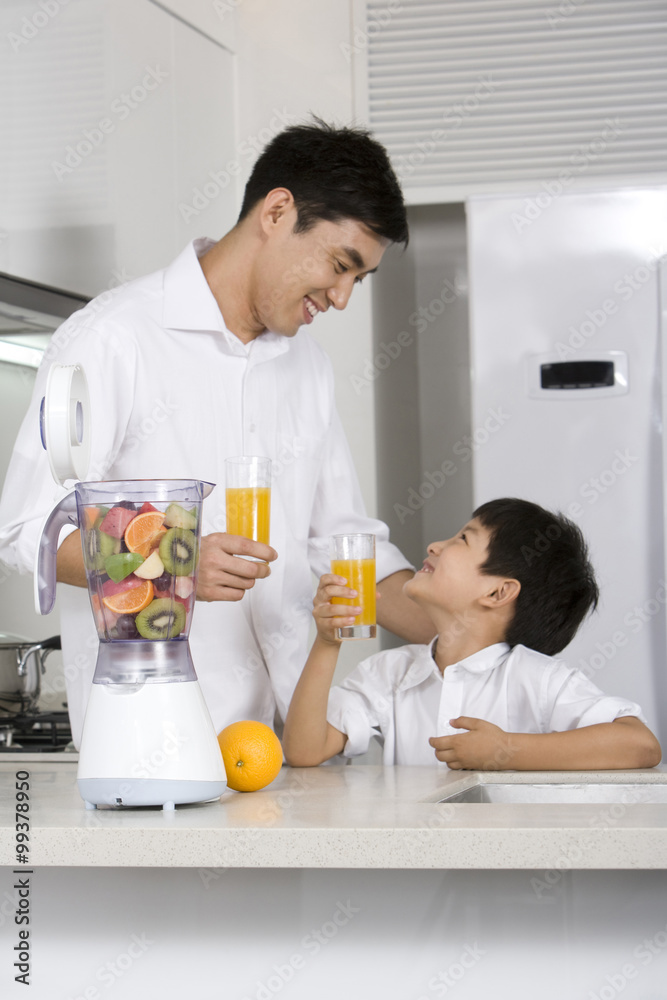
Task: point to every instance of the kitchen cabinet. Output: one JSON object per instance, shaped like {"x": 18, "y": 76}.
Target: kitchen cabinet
{"x": 120, "y": 113}
{"x": 339, "y": 881}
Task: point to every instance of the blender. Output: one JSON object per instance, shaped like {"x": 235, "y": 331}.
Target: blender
{"x": 148, "y": 738}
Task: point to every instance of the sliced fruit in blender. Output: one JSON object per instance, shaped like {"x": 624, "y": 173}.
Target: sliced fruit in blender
{"x": 117, "y": 520}
{"x": 178, "y": 552}
{"x": 152, "y": 568}
{"x": 125, "y": 627}
{"x": 90, "y": 515}
{"x": 129, "y": 602}
{"x": 103, "y": 617}
{"x": 97, "y": 547}
{"x": 109, "y": 588}
{"x": 164, "y": 583}
{"x": 178, "y": 517}
{"x": 144, "y": 532}
{"x": 162, "y": 619}
{"x": 122, "y": 564}
{"x": 184, "y": 586}
{"x": 146, "y": 507}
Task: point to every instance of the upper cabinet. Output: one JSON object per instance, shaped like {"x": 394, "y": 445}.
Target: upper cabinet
{"x": 119, "y": 138}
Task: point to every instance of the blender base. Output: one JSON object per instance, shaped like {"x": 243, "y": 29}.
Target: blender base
{"x": 149, "y": 744}
{"x": 147, "y": 792}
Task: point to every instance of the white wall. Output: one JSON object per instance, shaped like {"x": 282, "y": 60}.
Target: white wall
{"x": 293, "y": 60}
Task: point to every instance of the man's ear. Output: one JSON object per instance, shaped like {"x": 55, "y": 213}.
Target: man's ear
{"x": 501, "y": 594}
{"x": 277, "y": 204}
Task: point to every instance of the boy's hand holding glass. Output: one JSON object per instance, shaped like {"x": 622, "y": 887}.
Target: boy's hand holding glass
{"x": 329, "y": 617}
{"x": 353, "y": 559}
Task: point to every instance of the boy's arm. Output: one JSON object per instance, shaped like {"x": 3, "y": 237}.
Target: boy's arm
{"x": 624, "y": 743}
{"x": 308, "y": 739}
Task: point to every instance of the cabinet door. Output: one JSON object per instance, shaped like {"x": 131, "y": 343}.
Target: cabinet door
{"x": 114, "y": 113}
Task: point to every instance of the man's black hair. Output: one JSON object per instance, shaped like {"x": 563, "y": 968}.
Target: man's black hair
{"x": 334, "y": 174}
{"x": 548, "y": 555}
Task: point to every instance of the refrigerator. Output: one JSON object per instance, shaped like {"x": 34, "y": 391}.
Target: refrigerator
{"x": 568, "y": 314}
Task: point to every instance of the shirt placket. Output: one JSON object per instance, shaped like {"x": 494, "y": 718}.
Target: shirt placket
{"x": 451, "y": 700}
{"x": 249, "y": 418}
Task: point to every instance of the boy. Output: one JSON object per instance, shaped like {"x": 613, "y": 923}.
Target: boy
{"x": 487, "y": 693}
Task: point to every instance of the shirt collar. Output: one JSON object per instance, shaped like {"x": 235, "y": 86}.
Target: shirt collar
{"x": 424, "y": 665}
{"x": 189, "y": 304}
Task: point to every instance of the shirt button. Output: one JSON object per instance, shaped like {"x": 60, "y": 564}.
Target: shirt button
{"x": 252, "y": 428}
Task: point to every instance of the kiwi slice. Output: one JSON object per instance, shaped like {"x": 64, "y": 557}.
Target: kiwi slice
{"x": 178, "y": 551}
{"x": 176, "y": 516}
{"x": 97, "y": 547}
{"x": 162, "y": 619}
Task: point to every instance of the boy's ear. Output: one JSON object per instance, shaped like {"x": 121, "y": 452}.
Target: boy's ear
{"x": 502, "y": 594}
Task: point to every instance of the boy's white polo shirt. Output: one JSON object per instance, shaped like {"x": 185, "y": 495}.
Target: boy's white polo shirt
{"x": 400, "y": 696}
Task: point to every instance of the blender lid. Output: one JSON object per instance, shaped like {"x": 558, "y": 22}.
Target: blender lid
{"x": 64, "y": 423}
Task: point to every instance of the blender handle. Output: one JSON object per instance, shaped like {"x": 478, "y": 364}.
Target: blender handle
{"x": 63, "y": 513}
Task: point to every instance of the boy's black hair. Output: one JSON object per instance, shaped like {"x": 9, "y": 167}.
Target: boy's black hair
{"x": 334, "y": 174}
{"x": 548, "y": 555}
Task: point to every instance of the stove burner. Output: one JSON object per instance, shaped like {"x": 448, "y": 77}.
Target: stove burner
{"x": 35, "y": 732}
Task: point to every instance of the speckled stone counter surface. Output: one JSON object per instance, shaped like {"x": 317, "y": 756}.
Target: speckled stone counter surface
{"x": 341, "y": 817}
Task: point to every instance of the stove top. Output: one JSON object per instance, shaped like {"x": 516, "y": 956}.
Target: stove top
{"x": 36, "y": 732}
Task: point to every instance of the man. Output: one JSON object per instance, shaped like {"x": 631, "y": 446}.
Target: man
{"x": 203, "y": 361}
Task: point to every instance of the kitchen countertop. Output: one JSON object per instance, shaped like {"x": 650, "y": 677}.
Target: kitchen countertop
{"x": 339, "y": 816}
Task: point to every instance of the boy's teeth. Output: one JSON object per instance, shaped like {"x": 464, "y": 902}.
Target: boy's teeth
{"x": 312, "y": 309}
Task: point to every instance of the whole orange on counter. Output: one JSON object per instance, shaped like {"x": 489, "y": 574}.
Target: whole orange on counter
{"x": 252, "y": 755}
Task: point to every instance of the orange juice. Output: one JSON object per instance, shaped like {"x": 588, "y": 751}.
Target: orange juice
{"x": 249, "y": 512}
{"x": 360, "y": 576}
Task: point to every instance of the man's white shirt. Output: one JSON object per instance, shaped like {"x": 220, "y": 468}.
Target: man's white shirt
{"x": 174, "y": 393}
{"x": 401, "y": 697}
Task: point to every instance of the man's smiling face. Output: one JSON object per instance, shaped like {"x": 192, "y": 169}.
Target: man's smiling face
{"x": 299, "y": 275}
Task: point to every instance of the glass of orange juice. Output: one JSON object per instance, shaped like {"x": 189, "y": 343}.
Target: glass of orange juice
{"x": 353, "y": 556}
{"x": 248, "y": 497}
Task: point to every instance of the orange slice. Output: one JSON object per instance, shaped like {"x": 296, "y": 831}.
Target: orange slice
{"x": 151, "y": 544}
{"x": 129, "y": 602}
{"x": 90, "y": 514}
{"x": 144, "y": 532}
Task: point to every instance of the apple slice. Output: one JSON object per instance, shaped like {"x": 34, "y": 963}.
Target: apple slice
{"x": 152, "y": 568}
{"x": 184, "y": 586}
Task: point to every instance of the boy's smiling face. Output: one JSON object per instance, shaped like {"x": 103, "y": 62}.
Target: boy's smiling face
{"x": 451, "y": 578}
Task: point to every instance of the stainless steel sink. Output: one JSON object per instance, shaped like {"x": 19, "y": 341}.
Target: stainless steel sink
{"x": 586, "y": 793}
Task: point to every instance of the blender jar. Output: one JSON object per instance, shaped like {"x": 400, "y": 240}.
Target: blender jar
{"x": 140, "y": 541}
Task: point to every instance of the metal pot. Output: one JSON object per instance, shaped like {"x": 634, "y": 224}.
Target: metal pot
{"x": 21, "y": 667}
